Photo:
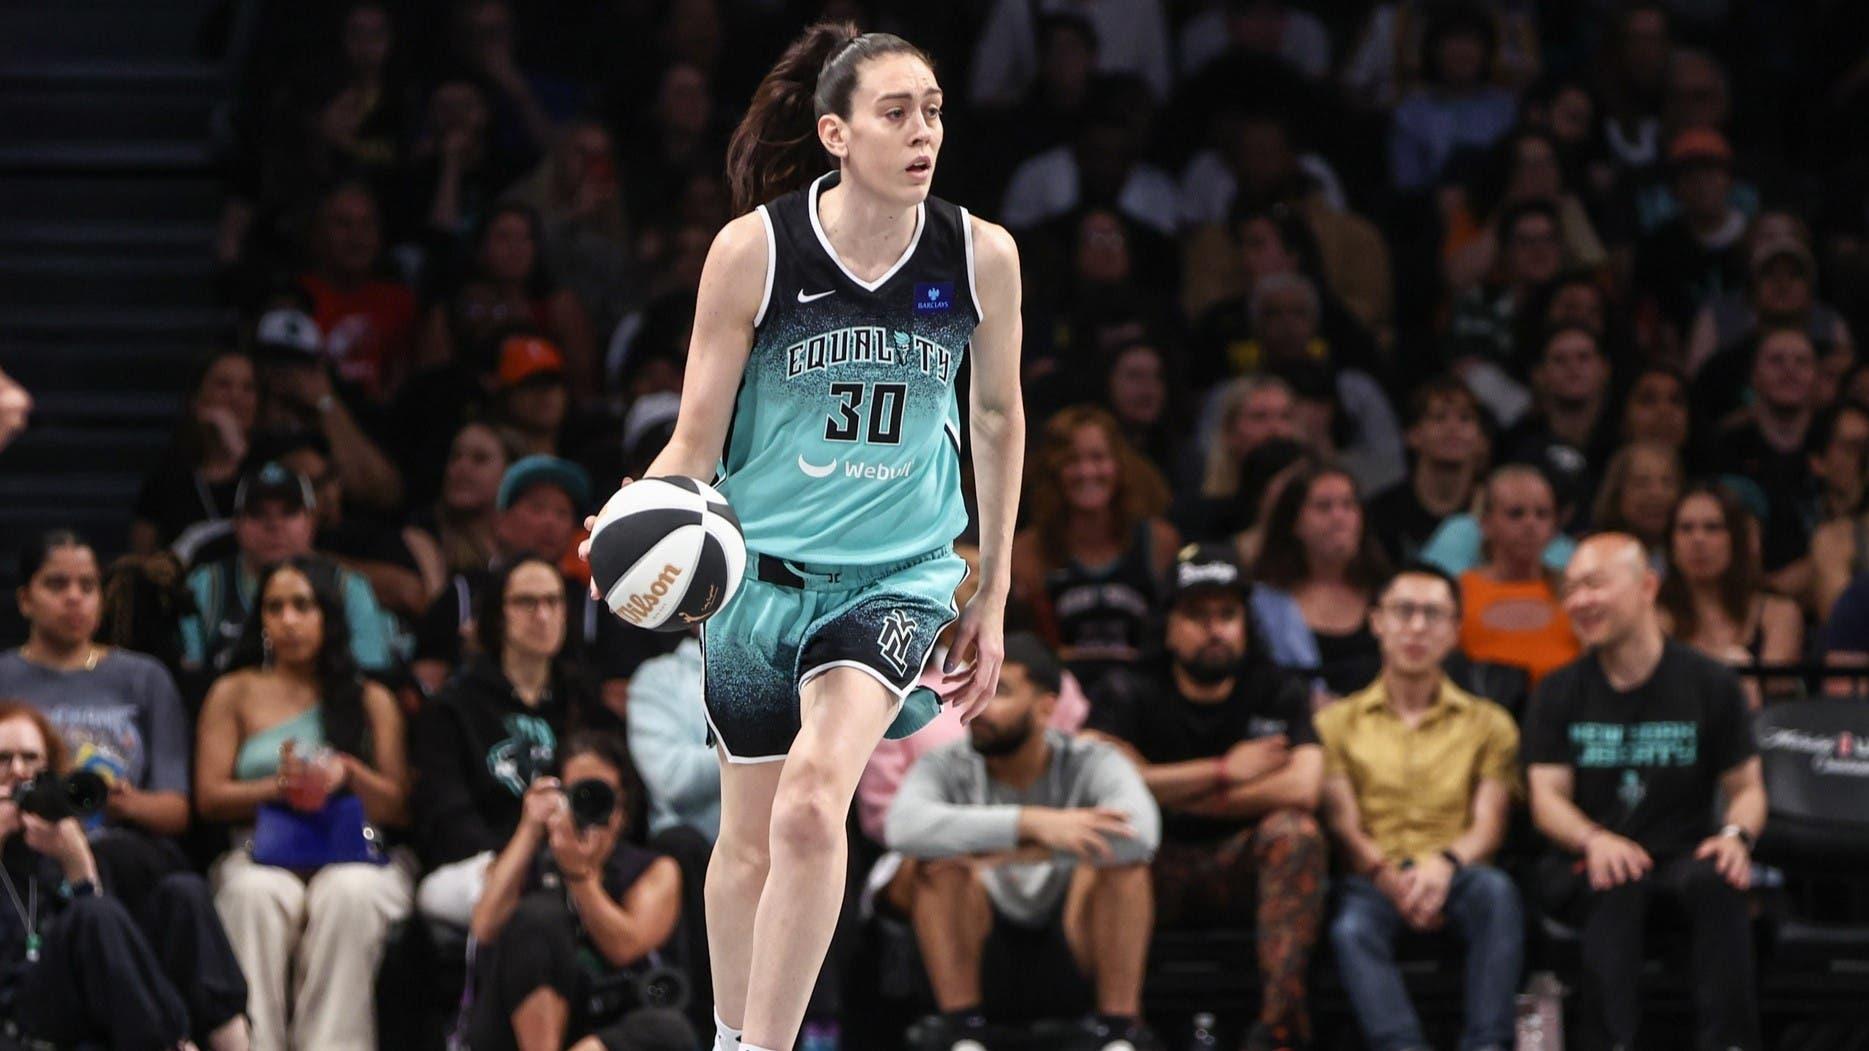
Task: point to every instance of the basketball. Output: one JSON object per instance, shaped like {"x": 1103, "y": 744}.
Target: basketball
{"x": 667, "y": 553}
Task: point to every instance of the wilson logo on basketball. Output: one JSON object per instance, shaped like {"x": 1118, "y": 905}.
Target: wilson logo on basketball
{"x": 643, "y": 603}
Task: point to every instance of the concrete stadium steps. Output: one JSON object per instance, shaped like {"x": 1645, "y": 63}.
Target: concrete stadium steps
{"x": 110, "y": 30}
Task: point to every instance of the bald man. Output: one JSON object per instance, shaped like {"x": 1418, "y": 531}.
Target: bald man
{"x": 1627, "y": 750}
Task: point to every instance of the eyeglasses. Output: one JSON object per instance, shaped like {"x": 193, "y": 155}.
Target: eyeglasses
{"x": 534, "y": 603}
{"x": 1431, "y": 615}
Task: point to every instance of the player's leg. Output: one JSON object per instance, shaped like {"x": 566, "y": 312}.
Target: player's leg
{"x": 736, "y": 874}
{"x": 844, "y": 712}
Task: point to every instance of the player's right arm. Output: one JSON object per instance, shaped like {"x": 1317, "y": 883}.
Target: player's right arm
{"x": 733, "y": 287}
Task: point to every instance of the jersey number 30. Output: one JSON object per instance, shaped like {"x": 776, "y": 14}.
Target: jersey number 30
{"x": 885, "y": 416}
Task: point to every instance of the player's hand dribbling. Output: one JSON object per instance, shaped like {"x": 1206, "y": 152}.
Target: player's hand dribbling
{"x": 584, "y": 546}
{"x": 981, "y": 635}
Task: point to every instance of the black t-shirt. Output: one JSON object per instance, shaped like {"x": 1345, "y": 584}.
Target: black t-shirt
{"x": 1147, "y": 710}
{"x": 1785, "y": 480}
{"x": 1405, "y": 524}
{"x": 1647, "y": 761}
{"x": 175, "y": 497}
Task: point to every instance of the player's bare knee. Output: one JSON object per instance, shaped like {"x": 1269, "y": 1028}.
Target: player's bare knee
{"x": 807, "y": 817}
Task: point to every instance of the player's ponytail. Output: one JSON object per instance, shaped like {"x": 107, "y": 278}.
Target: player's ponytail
{"x": 775, "y": 149}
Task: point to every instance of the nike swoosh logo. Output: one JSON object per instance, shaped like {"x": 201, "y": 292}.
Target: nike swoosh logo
{"x": 803, "y": 298}
{"x": 813, "y": 469}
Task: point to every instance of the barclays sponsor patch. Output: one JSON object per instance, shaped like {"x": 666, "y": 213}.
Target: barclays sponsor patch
{"x": 934, "y": 297}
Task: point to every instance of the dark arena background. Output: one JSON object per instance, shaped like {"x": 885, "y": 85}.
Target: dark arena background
{"x": 1439, "y": 607}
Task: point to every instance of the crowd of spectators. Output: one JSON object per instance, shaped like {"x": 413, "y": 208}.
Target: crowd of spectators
{"x": 1349, "y": 329}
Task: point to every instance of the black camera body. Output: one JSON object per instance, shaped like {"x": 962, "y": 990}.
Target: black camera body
{"x": 56, "y": 797}
{"x": 592, "y": 802}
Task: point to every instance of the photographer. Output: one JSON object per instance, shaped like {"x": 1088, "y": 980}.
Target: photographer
{"x": 565, "y": 889}
{"x": 74, "y": 968}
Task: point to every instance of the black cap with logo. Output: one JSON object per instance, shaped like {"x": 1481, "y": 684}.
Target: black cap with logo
{"x": 273, "y": 480}
{"x": 1203, "y": 569}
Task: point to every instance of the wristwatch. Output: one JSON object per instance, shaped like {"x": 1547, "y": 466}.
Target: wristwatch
{"x": 1739, "y": 833}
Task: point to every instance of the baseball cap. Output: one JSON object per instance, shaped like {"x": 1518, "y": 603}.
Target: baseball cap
{"x": 290, "y": 331}
{"x": 526, "y": 357}
{"x": 1699, "y": 144}
{"x": 545, "y": 470}
{"x": 273, "y": 480}
{"x": 1205, "y": 567}
{"x": 1783, "y": 244}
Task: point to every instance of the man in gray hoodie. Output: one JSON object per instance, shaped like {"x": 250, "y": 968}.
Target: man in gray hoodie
{"x": 1038, "y": 848}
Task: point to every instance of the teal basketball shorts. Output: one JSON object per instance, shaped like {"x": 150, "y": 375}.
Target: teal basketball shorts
{"x": 791, "y": 621}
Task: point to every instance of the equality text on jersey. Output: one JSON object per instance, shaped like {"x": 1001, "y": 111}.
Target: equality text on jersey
{"x": 869, "y": 345}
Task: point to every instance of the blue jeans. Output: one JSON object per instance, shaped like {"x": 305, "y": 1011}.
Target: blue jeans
{"x": 1482, "y": 908}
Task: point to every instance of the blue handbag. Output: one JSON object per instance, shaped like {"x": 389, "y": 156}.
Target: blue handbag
{"x": 335, "y": 834}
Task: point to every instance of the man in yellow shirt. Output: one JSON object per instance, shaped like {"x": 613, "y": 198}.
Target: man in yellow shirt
{"x": 1418, "y": 778}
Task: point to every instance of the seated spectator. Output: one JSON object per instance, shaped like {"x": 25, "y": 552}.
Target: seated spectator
{"x": 1033, "y": 851}
{"x": 1140, "y": 389}
{"x": 1655, "y": 411}
{"x": 1387, "y": 57}
{"x": 1419, "y": 777}
{"x": 1572, "y": 406}
{"x": 1276, "y": 29}
{"x": 1320, "y": 555}
{"x": 368, "y": 320}
{"x": 460, "y": 525}
{"x": 1781, "y": 292}
{"x": 354, "y": 119}
{"x": 1767, "y": 444}
{"x": 1527, "y": 169}
{"x": 1224, "y": 741}
{"x": 526, "y": 104}
{"x": 455, "y": 171}
{"x": 1511, "y": 613}
{"x": 509, "y": 261}
{"x": 196, "y": 478}
{"x": 83, "y": 973}
{"x": 15, "y": 409}
{"x": 1094, "y": 551}
{"x": 1103, "y": 163}
{"x": 1357, "y": 428}
{"x": 1457, "y": 109}
{"x": 401, "y": 564}
{"x": 1699, "y": 253}
{"x": 295, "y": 725}
{"x": 1242, "y": 415}
{"x": 298, "y": 395}
{"x": 493, "y": 730}
{"x": 578, "y": 196}
{"x": 272, "y": 523}
{"x": 1840, "y": 438}
{"x": 531, "y": 395}
{"x": 569, "y": 908}
{"x": 1482, "y": 339}
{"x": 1640, "y": 488}
{"x": 1449, "y": 446}
{"x": 1132, "y": 38}
{"x": 1712, "y": 596}
{"x": 1627, "y": 751}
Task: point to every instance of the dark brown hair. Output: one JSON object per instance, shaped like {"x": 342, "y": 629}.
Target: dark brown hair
{"x": 1282, "y": 561}
{"x": 1737, "y": 584}
{"x": 775, "y": 149}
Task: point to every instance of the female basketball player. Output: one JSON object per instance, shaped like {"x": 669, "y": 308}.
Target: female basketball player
{"x": 831, "y": 320}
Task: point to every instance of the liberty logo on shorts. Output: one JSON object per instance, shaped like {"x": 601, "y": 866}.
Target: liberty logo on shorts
{"x": 893, "y": 642}
{"x": 934, "y": 297}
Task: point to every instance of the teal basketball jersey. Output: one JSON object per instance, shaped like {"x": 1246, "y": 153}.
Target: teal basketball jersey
{"x": 844, "y": 445}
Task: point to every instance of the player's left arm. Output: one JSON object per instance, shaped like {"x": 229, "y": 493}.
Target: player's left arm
{"x": 997, "y": 412}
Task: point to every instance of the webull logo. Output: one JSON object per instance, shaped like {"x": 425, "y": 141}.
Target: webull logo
{"x": 636, "y": 608}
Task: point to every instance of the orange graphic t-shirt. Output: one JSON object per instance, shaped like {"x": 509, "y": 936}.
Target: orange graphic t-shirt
{"x": 1519, "y": 623}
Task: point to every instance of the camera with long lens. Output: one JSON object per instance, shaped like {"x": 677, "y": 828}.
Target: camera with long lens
{"x": 56, "y": 797}
{"x": 592, "y": 802}
{"x": 652, "y": 984}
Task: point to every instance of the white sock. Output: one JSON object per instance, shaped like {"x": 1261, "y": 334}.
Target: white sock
{"x": 726, "y": 1038}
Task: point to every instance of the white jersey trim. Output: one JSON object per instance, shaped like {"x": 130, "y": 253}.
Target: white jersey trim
{"x": 811, "y": 209}
{"x": 966, "y": 236}
{"x": 772, "y": 265}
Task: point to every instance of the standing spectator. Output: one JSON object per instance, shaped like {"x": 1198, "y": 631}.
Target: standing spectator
{"x": 1449, "y": 446}
{"x": 1712, "y": 597}
{"x": 1699, "y": 254}
{"x": 1132, "y": 37}
{"x": 262, "y": 740}
{"x": 509, "y": 261}
{"x": 1766, "y": 444}
{"x": 1419, "y": 777}
{"x": 1511, "y": 611}
{"x": 1627, "y": 751}
{"x": 461, "y": 522}
{"x": 1034, "y": 877}
{"x": 1224, "y": 740}
{"x": 272, "y": 523}
{"x": 570, "y": 906}
{"x": 1640, "y": 489}
{"x": 1095, "y": 549}
{"x": 1457, "y": 108}
{"x": 491, "y": 732}
{"x": 196, "y": 479}
{"x": 368, "y": 320}
{"x": 1320, "y": 555}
